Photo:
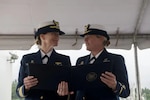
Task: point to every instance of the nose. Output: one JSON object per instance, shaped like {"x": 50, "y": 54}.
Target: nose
{"x": 56, "y": 35}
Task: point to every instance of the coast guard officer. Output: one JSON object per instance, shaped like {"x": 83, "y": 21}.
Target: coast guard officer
{"x": 47, "y": 37}
{"x": 114, "y": 79}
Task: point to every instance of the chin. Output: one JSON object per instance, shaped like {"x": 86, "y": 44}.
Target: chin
{"x": 55, "y": 44}
{"x": 88, "y": 49}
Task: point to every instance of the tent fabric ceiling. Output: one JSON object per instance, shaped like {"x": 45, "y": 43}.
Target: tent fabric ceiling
{"x": 126, "y": 21}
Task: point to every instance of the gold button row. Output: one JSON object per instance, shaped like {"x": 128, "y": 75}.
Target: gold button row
{"x": 41, "y": 97}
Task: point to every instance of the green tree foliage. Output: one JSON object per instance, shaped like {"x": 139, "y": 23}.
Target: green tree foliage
{"x": 146, "y": 93}
{"x": 14, "y": 95}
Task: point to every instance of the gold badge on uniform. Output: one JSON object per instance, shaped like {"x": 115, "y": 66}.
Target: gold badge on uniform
{"x": 81, "y": 63}
{"x": 32, "y": 61}
{"x": 91, "y": 76}
{"x": 58, "y": 63}
{"x": 106, "y": 60}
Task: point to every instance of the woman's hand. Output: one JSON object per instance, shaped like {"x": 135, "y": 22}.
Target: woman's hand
{"x": 63, "y": 89}
{"x": 29, "y": 82}
{"x": 109, "y": 79}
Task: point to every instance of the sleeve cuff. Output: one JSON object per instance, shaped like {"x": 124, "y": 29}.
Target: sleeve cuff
{"x": 119, "y": 88}
{"x": 21, "y": 91}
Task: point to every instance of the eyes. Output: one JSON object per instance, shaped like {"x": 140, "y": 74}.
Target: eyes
{"x": 53, "y": 33}
{"x": 93, "y": 36}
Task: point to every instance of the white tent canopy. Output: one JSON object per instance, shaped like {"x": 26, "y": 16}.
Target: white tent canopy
{"x": 127, "y": 21}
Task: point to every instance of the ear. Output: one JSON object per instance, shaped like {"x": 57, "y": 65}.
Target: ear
{"x": 106, "y": 43}
{"x": 42, "y": 37}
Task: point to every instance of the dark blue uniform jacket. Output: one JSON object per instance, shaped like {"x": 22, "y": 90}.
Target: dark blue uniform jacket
{"x": 118, "y": 68}
{"x": 55, "y": 59}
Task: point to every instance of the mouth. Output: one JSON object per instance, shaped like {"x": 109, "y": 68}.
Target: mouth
{"x": 55, "y": 40}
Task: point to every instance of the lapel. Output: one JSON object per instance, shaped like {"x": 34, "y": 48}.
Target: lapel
{"x": 87, "y": 59}
{"x": 83, "y": 60}
{"x": 35, "y": 58}
{"x": 38, "y": 58}
{"x": 52, "y": 58}
{"x": 103, "y": 57}
{"x": 104, "y": 61}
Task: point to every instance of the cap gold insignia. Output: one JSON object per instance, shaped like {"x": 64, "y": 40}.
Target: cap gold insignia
{"x": 87, "y": 31}
{"x": 87, "y": 28}
{"x": 56, "y": 25}
{"x": 91, "y": 76}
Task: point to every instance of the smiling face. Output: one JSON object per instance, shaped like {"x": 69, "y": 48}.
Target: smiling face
{"x": 50, "y": 39}
{"x": 94, "y": 43}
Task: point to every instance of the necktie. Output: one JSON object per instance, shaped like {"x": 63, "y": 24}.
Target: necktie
{"x": 45, "y": 59}
{"x": 92, "y": 60}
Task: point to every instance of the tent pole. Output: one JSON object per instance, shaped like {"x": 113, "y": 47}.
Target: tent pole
{"x": 140, "y": 17}
{"x": 137, "y": 73}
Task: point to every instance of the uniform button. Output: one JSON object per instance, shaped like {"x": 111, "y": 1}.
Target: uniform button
{"x": 41, "y": 97}
{"x": 83, "y": 98}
